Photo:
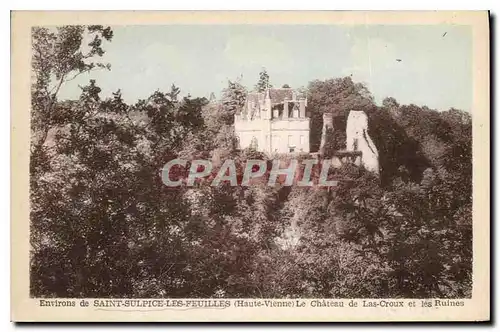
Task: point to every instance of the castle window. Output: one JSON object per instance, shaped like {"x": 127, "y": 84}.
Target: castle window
{"x": 301, "y": 139}
{"x": 292, "y": 149}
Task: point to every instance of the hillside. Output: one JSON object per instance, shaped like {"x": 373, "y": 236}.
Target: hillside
{"x": 103, "y": 224}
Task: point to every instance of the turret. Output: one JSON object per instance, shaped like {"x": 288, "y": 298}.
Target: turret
{"x": 302, "y": 108}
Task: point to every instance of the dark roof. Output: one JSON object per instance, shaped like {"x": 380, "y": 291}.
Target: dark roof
{"x": 255, "y": 97}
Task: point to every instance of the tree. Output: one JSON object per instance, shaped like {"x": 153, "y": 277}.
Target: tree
{"x": 337, "y": 96}
{"x": 59, "y": 57}
{"x": 174, "y": 93}
{"x": 400, "y": 155}
{"x": 429, "y": 250}
{"x": 233, "y": 100}
{"x": 263, "y": 82}
{"x": 390, "y": 103}
{"x": 104, "y": 225}
{"x": 218, "y": 118}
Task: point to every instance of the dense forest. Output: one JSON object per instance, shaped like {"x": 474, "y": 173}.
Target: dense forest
{"x": 102, "y": 224}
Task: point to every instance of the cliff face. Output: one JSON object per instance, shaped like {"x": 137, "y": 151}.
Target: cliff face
{"x": 357, "y": 139}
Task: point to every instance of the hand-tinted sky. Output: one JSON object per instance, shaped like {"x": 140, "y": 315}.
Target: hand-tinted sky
{"x": 434, "y": 70}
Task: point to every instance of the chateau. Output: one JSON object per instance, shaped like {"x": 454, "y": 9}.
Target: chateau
{"x": 274, "y": 121}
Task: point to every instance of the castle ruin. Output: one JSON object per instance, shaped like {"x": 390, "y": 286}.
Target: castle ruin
{"x": 275, "y": 121}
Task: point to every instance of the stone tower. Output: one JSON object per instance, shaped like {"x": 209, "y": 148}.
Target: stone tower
{"x": 327, "y": 123}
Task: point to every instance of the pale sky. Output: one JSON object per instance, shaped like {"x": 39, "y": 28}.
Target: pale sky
{"x": 434, "y": 70}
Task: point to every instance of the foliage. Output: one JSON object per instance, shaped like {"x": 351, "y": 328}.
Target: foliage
{"x": 233, "y": 100}
{"x": 58, "y": 57}
{"x": 337, "y": 96}
{"x": 332, "y": 143}
{"x": 104, "y": 225}
{"x": 263, "y": 82}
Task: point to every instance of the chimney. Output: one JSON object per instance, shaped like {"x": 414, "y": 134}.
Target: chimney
{"x": 285, "y": 108}
{"x": 302, "y": 112}
{"x": 267, "y": 104}
{"x": 295, "y": 111}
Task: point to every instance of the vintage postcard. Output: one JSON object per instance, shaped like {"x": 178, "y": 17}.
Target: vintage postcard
{"x": 250, "y": 166}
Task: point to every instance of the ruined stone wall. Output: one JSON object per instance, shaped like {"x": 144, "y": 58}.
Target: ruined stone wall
{"x": 359, "y": 140}
{"x": 327, "y": 123}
